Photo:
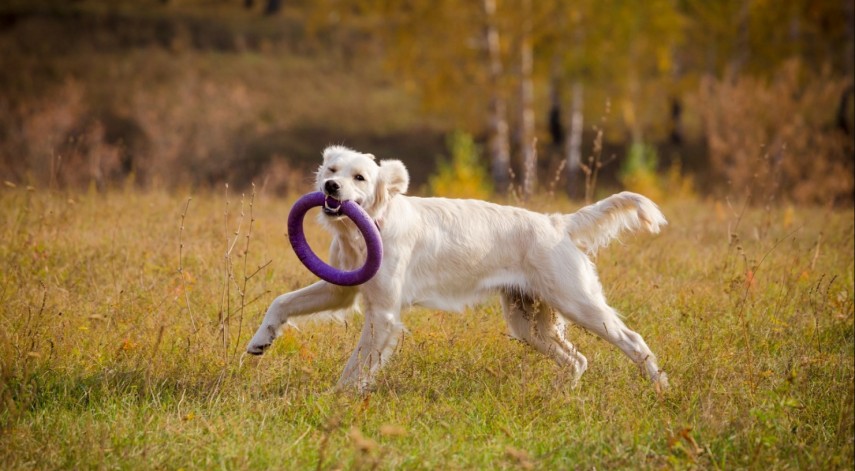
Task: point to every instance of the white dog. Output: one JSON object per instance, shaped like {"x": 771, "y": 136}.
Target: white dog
{"x": 447, "y": 253}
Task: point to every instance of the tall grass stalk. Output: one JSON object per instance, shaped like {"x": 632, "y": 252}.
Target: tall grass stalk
{"x": 181, "y": 266}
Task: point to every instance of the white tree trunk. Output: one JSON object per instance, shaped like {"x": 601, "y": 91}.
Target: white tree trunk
{"x": 527, "y": 138}
{"x": 498, "y": 142}
{"x": 574, "y": 141}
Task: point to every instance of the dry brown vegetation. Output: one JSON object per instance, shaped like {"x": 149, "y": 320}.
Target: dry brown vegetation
{"x": 777, "y": 139}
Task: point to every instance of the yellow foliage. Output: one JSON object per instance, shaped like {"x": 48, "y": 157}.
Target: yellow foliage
{"x": 645, "y": 182}
{"x": 677, "y": 185}
{"x": 463, "y": 176}
{"x": 639, "y": 175}
{"x": 789, "y": 214}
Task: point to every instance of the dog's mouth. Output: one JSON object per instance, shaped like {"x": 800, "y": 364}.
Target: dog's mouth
{"x": 332, "y": 206}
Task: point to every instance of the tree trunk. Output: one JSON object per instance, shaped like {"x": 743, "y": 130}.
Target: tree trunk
{"x": 741, "y": 52}
{"x": 849, "y": 48}
{"x": 574, "y": 143}
{"x": 528, "y": 147}
{"x": 273, "y": 7}
{"x": 498, "y": 143}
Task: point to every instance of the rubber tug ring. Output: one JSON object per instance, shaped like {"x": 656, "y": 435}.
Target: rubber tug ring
{"x": 326, "y": 272}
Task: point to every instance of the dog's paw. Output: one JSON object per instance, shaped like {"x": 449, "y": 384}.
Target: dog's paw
{"x": 660, "y": 382}
{"x": 257, "y": 349}
{"x": 357, "y": 384}
{"x": 261, "y": 340}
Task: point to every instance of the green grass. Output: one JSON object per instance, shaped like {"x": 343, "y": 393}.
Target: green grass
{"x": 102, "y": 367}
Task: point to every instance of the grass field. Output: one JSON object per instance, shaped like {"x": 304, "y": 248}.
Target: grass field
{"x": 125, "y": 315}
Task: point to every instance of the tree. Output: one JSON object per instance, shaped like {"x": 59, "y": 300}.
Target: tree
{"x": 272, "y": 7}
{"x": 474, "y": 61}
{"x": 497, "y": 124}
{"x": 528, "y": 143}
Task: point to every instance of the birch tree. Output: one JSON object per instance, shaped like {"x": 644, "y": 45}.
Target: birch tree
{"x": 497, "y": 124}
{"x": 528, "y": 144}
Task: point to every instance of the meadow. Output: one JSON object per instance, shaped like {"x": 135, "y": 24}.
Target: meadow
{"x": 125, "y": 314}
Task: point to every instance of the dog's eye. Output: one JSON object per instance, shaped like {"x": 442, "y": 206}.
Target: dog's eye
{"x": 332, "y": 169}
{"x": 359, "y": 178}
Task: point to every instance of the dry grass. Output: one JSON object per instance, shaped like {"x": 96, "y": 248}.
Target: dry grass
{"x": 751, "y": 313}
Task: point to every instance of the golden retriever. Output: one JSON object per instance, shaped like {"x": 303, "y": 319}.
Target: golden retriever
{"x": 450, "y": 253}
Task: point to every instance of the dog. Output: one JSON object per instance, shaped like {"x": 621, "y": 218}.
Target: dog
{"x": 448, "y": 254}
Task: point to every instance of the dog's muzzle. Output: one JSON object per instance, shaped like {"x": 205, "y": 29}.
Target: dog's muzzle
{"x": 332, "y": 206}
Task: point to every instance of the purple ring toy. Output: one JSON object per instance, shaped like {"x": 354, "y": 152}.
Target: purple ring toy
{"x": 317, "y": 266}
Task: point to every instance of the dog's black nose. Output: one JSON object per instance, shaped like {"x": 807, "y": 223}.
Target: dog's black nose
{"x": 331, "y": 187}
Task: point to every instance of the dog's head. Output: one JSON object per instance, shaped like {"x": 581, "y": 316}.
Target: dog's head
{"x": 347, "y": 175}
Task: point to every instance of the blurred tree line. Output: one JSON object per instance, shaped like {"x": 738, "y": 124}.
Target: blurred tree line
{"x": 656, "y": 70}
{"x": 749, "y": 95}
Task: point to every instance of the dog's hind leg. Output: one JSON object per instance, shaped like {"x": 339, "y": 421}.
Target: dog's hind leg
{"x": 318, "y": 297}
{"x": 592, "y": 313}
{"x": 567, "y": 281}
{"x": 537, "y": 324}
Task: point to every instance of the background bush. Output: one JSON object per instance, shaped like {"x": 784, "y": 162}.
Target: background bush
{"x": 778, "y": 138}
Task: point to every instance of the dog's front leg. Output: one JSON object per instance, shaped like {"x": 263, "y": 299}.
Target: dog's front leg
{"x": 321, "y": 296}
{"x": 380, "y": 336}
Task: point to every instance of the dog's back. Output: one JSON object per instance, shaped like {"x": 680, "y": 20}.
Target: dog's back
{"x": 458, "y": 251}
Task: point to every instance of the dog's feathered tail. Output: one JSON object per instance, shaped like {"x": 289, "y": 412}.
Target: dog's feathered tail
{"x": 595, "y": 225}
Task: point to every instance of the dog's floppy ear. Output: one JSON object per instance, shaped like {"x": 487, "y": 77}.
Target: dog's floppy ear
{"x": 394, "y": 176}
